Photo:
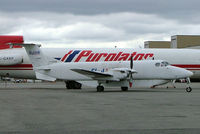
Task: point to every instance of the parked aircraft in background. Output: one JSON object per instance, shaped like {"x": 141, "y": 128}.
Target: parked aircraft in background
{"x": 14, "y": 62}
{"x": 114, "y": 73}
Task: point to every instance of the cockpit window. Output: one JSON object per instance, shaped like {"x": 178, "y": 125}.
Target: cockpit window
{"x": 164, "y": 63}
{"x": 157, "y": 64}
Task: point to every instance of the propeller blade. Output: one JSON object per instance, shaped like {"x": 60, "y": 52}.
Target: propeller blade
{"x": 131, "y": 76}
{"x": 131, "y": 62}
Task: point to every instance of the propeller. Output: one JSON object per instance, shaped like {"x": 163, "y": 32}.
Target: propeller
{"x": 131, "y": 73}
{"x": 131, "y": 66}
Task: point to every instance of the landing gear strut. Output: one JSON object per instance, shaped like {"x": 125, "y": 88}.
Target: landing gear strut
{"x": 188, "y": 88}
{"x": 173, "y": 83}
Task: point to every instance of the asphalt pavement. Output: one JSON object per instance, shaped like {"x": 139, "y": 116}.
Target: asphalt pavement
{"x": 50, "y": 108}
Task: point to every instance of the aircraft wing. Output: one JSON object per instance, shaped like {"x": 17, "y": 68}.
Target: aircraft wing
{"x": 125, "y": 70}
{"x": 92, "y": 74}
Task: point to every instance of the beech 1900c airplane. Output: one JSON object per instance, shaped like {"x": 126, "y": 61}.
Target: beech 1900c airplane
{"x": 116, "y": 73}
{"x": 14, "y": 62}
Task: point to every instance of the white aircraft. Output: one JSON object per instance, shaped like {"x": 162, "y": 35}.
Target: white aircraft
{"x": 14, "y": 62}
{"x": 115, "y": 73}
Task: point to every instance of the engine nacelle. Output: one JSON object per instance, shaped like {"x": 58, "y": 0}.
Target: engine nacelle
{"x": 11, "y": 59}
{"x": 120, "y": 74}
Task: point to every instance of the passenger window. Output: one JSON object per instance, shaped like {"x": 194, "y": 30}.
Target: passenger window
{"x": 122, "y": 71}
{"x": 157, "y": 64}
{"x": 166, "y": 63}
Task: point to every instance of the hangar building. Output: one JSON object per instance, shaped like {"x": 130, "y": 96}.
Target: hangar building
{"x": 177, "y": 41}
{"x": 157, "y": 44}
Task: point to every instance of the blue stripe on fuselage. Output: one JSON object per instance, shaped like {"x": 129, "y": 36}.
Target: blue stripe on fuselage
{"x": 71, "y": 56}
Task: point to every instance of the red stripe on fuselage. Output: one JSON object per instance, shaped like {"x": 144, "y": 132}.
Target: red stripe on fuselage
{"x": 16, "y": 69}
{"x": 187, "y": 66}
{"x": 30, "y": 67}
{"x": 18, "y": 66}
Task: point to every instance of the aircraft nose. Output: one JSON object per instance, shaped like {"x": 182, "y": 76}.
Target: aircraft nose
{"x": 182, "y": 73}
{"x": 186, "y": 73}
{"x": 189, "y": 73}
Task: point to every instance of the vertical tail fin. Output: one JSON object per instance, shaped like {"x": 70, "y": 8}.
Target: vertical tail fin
{"x": 5, "y": 39}
{"x": 36, "y": 56}
{"x": 39, "y": 61}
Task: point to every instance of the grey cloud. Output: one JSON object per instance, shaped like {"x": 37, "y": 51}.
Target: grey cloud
{"x": 54, "y": 27}
{"x": 99, "y": 6}
{"x": 177, "y": 9}
{"x": 104, "y": 21}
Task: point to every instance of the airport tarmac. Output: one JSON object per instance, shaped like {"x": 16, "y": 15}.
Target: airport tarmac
{"x": 49, "y": 108}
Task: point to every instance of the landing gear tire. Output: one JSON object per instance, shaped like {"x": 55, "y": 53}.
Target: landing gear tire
{"x": 68, "y": 86}
{"x": 73, "y": 85}
{"x": 124, "y": 88}
{"x": 100, "y": 88}
{"x": 188, "y": 89}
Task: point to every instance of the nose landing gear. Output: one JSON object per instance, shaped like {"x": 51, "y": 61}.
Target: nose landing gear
{"x": 188, "y": 88}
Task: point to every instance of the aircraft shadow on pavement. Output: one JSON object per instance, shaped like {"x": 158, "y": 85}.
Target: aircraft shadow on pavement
{"x": 86, "y": 90}
{"x": 130, "y": 91}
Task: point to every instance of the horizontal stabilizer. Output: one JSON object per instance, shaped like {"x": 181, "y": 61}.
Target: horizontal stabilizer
{"x": 23, "y": 44}
{"x": 44, "y": 68}
{"x": 44, "y": 77}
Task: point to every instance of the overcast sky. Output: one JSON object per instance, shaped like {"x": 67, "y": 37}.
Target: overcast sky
{"x": 98, "y": 23}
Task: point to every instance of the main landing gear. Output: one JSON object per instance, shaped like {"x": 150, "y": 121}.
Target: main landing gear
{"x": 124, "y": 88}
{"x": 188, "y": 88}
{"x": 100, "y": 88}
{"x": 73, "y": 85}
